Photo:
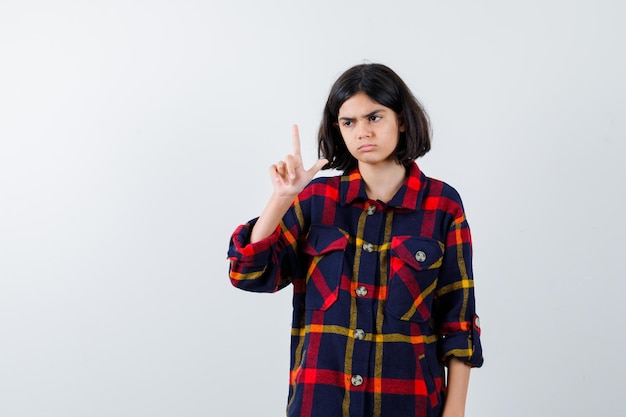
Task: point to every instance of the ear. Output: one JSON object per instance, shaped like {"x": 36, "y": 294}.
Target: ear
{"x": 401, "y": 125}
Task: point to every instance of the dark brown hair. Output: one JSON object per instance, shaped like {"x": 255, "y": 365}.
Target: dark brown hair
{"x": 384, "y": 86}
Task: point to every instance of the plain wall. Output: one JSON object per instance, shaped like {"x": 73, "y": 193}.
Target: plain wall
{"x": 136, "y": 135}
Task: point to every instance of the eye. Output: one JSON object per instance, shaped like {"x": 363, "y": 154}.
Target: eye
{"x": 347, "y": 123}
{"x": 375, "y": 118}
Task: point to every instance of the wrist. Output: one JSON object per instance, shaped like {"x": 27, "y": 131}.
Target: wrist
{"x": 451, "y": 411}
{"x": 281, "y": 197}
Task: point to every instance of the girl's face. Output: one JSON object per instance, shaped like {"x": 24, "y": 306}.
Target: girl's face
{"x": 369, "y": 130}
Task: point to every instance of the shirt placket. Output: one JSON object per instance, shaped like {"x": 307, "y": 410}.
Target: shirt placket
{"x": 366, "y": 279}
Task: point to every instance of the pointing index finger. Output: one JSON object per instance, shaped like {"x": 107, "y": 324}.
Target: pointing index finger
{"x": 296, "y": 140}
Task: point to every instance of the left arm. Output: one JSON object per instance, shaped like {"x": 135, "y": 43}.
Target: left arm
{"x": 458, "y": 325}
{"x": 458, "y": 382}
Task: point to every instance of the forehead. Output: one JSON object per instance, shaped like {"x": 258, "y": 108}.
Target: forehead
{"x": 360, "y": 104}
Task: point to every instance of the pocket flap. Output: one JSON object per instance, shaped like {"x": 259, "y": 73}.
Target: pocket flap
{"x": 322, "y": 239}
{"x": 419, "y": 253}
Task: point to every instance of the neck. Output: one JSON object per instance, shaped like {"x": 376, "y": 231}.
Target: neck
{"x": 382, "y": 182}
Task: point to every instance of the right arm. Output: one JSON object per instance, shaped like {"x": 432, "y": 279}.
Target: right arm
{"x": 259, "y": 253}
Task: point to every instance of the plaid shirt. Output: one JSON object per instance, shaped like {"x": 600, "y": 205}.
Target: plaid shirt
{"x": 383, "y": 295}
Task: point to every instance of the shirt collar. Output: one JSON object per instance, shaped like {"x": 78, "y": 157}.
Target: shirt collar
{"x": 409, "y": 196}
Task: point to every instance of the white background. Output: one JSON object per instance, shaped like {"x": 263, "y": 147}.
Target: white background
{"x": 136, "y": 135}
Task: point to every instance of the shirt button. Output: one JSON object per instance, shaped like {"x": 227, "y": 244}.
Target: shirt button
{"x": 357, "y": 380}
{"x": 420, "y": 256}
{"x": 359, "y": 334}
{"x": 368, "y": 247}
{"x": 361, "y": 291}
{"x": 371, "y": 210}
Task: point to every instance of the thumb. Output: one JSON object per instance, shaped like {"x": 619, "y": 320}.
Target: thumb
{"x": 317, "y": 166}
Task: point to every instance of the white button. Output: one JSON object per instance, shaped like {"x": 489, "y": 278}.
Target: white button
{"x": 357, "y": 380}
{"x": 371, "y": 210}
{"x": 361, "y": 291}
{"x": 359, "y": 334}
{"x": 420, "y": 256}
{"x": 368, "y": 247}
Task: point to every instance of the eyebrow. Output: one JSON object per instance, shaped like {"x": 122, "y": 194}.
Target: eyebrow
{"x": 372, "y": 113}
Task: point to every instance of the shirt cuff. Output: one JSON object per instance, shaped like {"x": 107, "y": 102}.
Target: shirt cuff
{"x": 251, "y": 254}
{"x": 464, "y": 346}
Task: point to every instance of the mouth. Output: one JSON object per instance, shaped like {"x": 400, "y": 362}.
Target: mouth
{"x": 367, "y": 147}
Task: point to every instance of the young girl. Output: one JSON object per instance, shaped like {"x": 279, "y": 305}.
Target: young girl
{"x": 380, "y": 260}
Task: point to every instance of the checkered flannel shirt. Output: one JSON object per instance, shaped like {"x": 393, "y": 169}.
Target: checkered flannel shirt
{"x": 383, "y": 295}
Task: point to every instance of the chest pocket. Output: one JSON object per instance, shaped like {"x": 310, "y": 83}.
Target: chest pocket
{"x": 413, "y": 271}
{"x": 325, "y": 246}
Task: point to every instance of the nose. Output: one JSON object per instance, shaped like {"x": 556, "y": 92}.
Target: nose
{"x": 363, "y": 130}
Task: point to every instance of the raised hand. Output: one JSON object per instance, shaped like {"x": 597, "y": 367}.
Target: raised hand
{"x": 289, "y": 176}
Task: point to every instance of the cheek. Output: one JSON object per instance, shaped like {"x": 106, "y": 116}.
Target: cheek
{"x": 345, "y": 136}
{"x": 347, "y": 144}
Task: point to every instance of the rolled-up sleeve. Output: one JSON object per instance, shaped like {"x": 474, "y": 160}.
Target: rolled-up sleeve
{"x": 269, "y": 264}
{"x": 459, "y": 325}
{"x": 252, "y": 265}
